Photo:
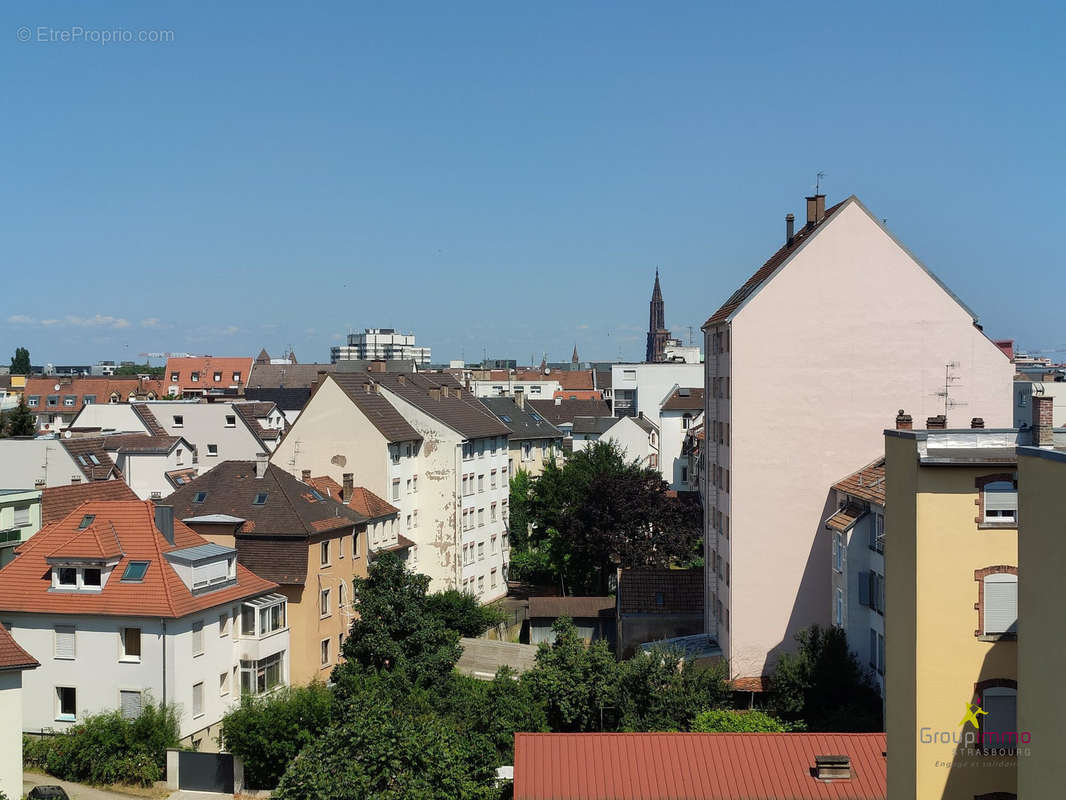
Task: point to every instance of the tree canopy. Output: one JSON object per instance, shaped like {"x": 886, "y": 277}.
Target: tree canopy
{"x": 20, "y": 421}
{"x": 20, "y": 362}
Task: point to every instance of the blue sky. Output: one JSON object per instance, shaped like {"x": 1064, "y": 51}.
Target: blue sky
{"x": 504, "y": 178}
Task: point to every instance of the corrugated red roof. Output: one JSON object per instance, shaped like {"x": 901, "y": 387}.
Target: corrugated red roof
{"x": 695, "y": 766}
{"x": 25, "y": 583}
{"x": 12, "y": 656}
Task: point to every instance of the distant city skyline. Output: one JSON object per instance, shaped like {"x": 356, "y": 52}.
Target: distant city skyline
{"x": 504, "y": 180}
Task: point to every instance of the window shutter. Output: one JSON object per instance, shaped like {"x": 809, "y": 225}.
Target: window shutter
{"x": 1001, "y": 496}
{"x": 130, "y": 703}
{"x": 1001, "y": 705}
{"x": 65, "y": 643}
{"x": 1001, "y": 603}
{"x": 864, "y": 588}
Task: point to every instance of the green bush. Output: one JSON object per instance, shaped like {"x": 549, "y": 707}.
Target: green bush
{"x": 463, "y": 613}
{"x": 109, "y": 748}
{"x": 268, "y": 731}
{"x": 726, "y": 720}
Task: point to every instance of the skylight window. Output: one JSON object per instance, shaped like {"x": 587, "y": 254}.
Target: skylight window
{"x": 81, "y": 460}
{"x": 316, "y": 495}
{"x": 505, "y": 418}
{"x": 260, "y": 499}
{"x": 94, "y": 459}
{"x": 135, "y": 571}
{"x": 86, "y": 521}
{"x": 199, "y": 497}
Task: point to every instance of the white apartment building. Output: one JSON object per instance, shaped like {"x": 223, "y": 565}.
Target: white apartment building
{"x": 1025, "y": 391}
{"x": 121, "y": 606}
{"x": 678, "y": 414}
{"x": 380, "y": 344}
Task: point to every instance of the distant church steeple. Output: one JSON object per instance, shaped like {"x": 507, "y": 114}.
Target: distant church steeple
{"x": 574, "y": 359}
{"x": 657, "y": 332}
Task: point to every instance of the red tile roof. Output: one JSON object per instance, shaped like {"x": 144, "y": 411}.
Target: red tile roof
{"x": 867, "y": 484}
{"x": 99, "y": 387}
{"x": 752, "y": 285}
{"x": 845, "y": 517}
{"x": 207, "y": 366}
{"x": 89, "y": 543}
{"x": 12, "y": 656}
{"x": 574, "y": 379}
{"x": 25, "y": 583}
{"x": 695, "y": 766}
{"x": 691, "y": 400}
{"x": 58, "y": 501}
{"x": 363, "y": 500}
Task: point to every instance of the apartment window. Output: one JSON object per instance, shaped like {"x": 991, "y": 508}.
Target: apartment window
{"x": 179, "y": 420}
{"x": 492, "y": 578}
{"x": 877, "y": 533}
{"x": 492, "y": 546}
{"x": 998, "y": 499}
{"x": 395, "y": 488}
{"x": 22, "y": 516}
{"x": 880, "y": 654}
{"x": 997, "y": 600}
{"x": 480, "y": 483}
{"x": 416, "y": 518}
{"x": 355, "y": 544}
{"x": 258, "y": 677}
{"x": 407, "y": 450}
{"x": 218, "y": 377}
{"x": 223, "y": 684}
{"x": 199, "y": 497}
{"x": 223, "y": 624}
{"x": 492, "y": 480}
{"x": 394, "y": 453}
{"x": 468, "y": 451}
{"x": 408, "y": 486}
{"x": 324, "y": 553}
{"x": 231, "y": 421}
{"x": 130, "y": 703}
{"x": 340, "y": 547}
{"x": 173, "y": 377}
{"x": 480, "y": 551}
{"x": 873, "y": 649}
{"x": 236, "y": 377}
{"x": 480, "y": 584}
{"x": 408, "y": 522}
{"x": 492, "y": 513}
{"x": 53, "y": 399}
{"x": 70, "y": 400}
{"x": 323, "y": 603}
{"x": 130, "y": 640}
{"x": 414, "y": 485}
{"x": 212, "y": 450}
{"x": 838, "y": 552}
{"x": 872, "y": 591}
{"x": 198, "y": 638}
{"x": 527, "y": 450}
{"x": 999, "y": 726}
{"x": 68, "y": 577}
{"x": 89, "y": 399}
{"x": 480, "y": 517}
{"x": 342, "y": 596}
{"x": 686, "y": 420}
{"x": 503, "y": 506}
{"x": 840, "y": 607}
{"x": 503, "y": 540}
{"x": 325, "y": 652}
{"x": 195, "y": 377}
{"x": 66, "y": 703}
{"x": 684, "y": 474}
{"x": 197, "y": 699}
{"x": 65, "y": 642}
{"x": 34, "y": 401}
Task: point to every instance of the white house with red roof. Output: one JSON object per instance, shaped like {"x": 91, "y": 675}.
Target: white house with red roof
{"x": 121, "y": 605}
{"x": 13, "y": 662}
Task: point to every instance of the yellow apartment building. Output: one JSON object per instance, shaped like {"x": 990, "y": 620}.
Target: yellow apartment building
{"x": 1042, "y": 644}
{"x": 951, "y": 567}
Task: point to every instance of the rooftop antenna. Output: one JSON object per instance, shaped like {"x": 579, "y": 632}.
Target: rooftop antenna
{"x": 818, "y": 183}
{"x": 949, "y": 381}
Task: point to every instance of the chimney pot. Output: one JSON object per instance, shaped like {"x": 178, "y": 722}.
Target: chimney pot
{"x": 305, "y": 475}
{"x": 937, "y": 423}
{"x": 260, "y": 464}
{"x": 815, "y": 209}
{"x": 790, "y": 228}
{"x": 977, "y": 422}
{"x": 164, "y": 522}
{"x": 1043, "y": 408}
{"x": 904, "y": 421}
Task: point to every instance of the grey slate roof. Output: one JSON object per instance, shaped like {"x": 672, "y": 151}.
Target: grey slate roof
{"x": 381, "y": 413}
{"x": 286, "y": 376}
{"x": 564, "y": 411}
{"x": 525, "y": 423}
{"x": 464, "y": 413}
{"x": 200, "y": 552}
{"x": 598, "y": 425}
{"x": 646, "y": 424}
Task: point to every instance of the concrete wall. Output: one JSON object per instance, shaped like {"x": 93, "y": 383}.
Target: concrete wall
{"x": 10, "y": 501}
{"x": 1023, "y": 394}
{"x": 146, "y": 473}
{"x": 856, "y": 330}
{"x": 1041, "y": 558}
{"x": 634, "y": 441}
{"x": 859, "y": 620}
{"x": 204, "y": 424}
{"x": 11, "y": 733}
{"x": 24, "y": 461}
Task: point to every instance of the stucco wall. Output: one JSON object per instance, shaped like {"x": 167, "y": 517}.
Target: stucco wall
{"x": 856, "y": 330}
{"x": 11, "y": 733}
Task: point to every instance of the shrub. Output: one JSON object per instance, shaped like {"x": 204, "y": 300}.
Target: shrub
{"x": 268, "y": 731}
{"x": 725, "y": 720}
{"x": 109, "y": 748}
{"x": 463, "y": 613}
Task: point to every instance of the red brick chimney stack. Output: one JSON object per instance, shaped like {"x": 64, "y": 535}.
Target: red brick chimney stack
{"x": 1042, "y": 420}
{"x": 937, "y": 423}
{"x": 904, "y": 421}
{"x": 348, "y": 487}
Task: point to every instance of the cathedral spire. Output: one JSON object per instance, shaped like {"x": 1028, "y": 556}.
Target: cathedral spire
{"x": 657, "y": 333}
{"x": 574, "y": 359}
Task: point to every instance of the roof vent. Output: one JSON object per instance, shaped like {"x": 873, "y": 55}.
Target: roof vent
{"x": 832, "y": 768}
{"x": 790, "y": 228}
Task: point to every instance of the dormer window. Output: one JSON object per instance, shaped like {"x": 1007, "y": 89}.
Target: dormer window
{"x": 88, "y": 577}
{"x": 218, "y": 377}
{"x": 195, "y": 377}
{"x": 67, "y": 577}
{"x": 205, "y": 567}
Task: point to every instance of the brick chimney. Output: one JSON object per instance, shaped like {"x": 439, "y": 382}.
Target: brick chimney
{"x": 348, "y": 487}
{"x": 1042, "y": 420}
{"x": 305, "y": 475}
{"x": 937, "y": 423}
{"x": 520, "y": 399}
{"x": 815, "y": 209}
{"x": 977, "y": 422}
{"x": 904, "y": 421}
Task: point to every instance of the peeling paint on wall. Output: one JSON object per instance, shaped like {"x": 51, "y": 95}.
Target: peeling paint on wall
{"x": 339, "y": 461}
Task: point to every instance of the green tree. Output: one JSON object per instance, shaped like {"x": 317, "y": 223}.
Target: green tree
{"x": 269, "y": 731}
{"x": 518, "y": 503}
{"x": 574, "y": 682}
{"x": 395, "y": 629}
{"x": 658, "y": 691}
{"x": 21, "y": 421}
{"x": 141, "y": 369}
{"x": 461, "y": 612}
{"x": 824, "y": 685}
{"x": 728, "y": 720}
{"x": 383, "y": 751}
{"x": 20, "y": 362}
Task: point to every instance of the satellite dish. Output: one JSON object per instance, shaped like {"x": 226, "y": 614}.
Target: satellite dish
{"x": 547, "y": 370}
{"x": 67, "y": 434}
{"x": 1038, "y": 388}
{"x": 56, "y": 387}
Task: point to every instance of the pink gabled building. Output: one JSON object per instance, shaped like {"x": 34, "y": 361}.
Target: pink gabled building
{"x": 856, "y": 328}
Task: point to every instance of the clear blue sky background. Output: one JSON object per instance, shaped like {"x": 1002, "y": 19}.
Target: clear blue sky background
{"x": 504, "y": 177}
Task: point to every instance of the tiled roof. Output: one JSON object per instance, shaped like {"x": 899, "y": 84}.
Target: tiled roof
{"x": 148, "y": 419}
{"x": 845, "y": 517}
{"x": 180, "y": 477}
{"x": 573, "y": 607}
{"x": 93, "y": 542}
{"x": 58, "y": 501}
{"x": 100, "y": 388}
{"x": 250, "y": 414}
{"x": 402, "y": 543}
{"x": 752, "y": 285}
{"x": 13, "y": 657}
{"x": 139, "y": 443}
{"x": 660, "y": 591}
{"x": 695, "y": 766}
{"x": 381, "y": 413}
{"x": 646, "y": 424}
{"x": 25, "y": 583}
{"x": 524, "y": 423}
{"x": 91, "y": 457}
{"x": 290, "y": 508}
{"x": 207, "y": 366}
{"x": 464, "y": 413}
{"x": 282, "y": 559}
{"x": 685, "y": 400}
{"x": 363, "y": 500}
{"x": 574, "y": 379}
{"x": 563, "y": 411}
{"x": 867, "y": 484}
{"x": 287, "y": 376}
{"x": 589, "y": 425}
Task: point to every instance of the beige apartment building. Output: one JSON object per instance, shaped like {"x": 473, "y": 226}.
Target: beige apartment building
{"x": 855, "y": 328}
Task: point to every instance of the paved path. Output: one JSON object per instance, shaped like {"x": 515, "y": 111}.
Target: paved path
{"x": 76, "y": 791}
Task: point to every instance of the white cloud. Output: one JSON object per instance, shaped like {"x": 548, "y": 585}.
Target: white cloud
{"x": 49, "y": 322}
{"x": 97, "y": 321}
{"x": 20, "y": 319}
{"x": 229, "y": 330}
{"x": 584, "y": 326}
{"x": 151, "y": 322}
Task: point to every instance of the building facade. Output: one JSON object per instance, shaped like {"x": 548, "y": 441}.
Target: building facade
{"x": 380, "y": 344}
{"x": 20, "y": 518}
{"x": 773, "y": 453}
